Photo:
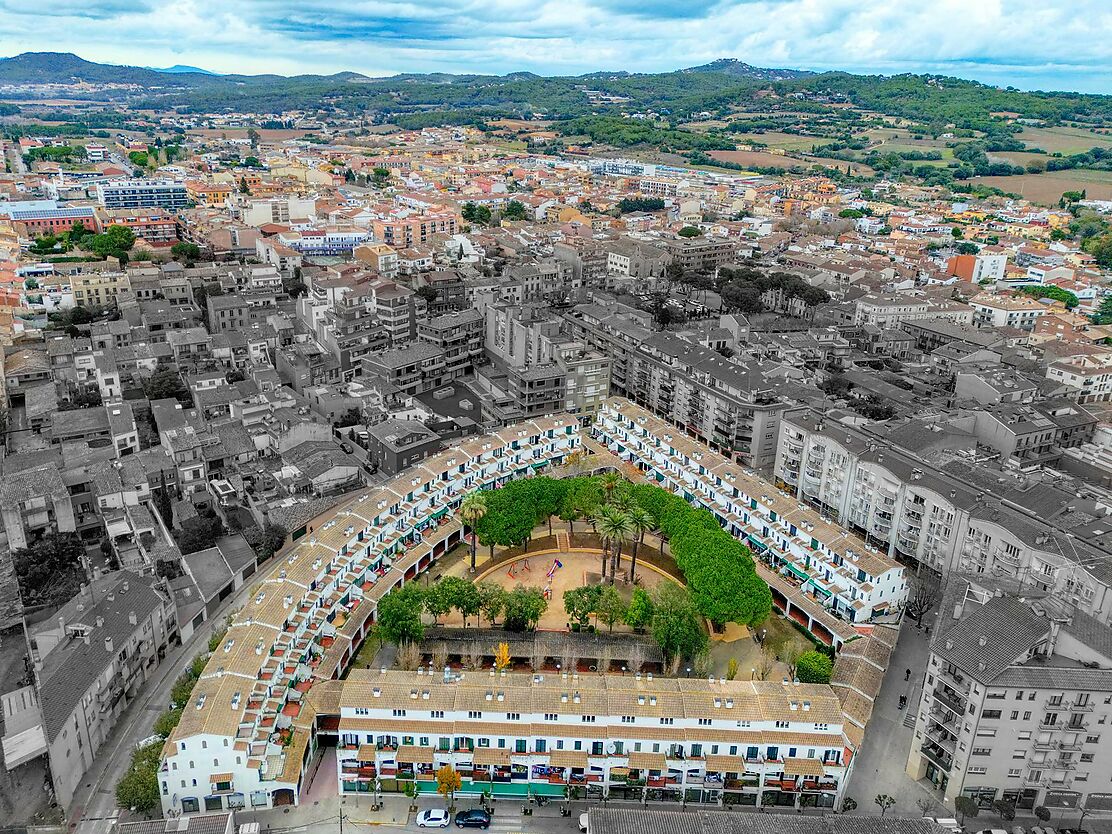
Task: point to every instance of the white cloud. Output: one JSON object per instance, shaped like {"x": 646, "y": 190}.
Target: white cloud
{"x": 1025, "y": 42}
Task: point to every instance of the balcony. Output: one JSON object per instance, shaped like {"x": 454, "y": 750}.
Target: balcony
{"x": 938, "y": 756}
{"x": 1076, "y": 707}
{"x": 948, "y": 701}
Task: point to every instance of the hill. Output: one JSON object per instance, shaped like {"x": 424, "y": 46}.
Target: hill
{"x": 740, "y": 69}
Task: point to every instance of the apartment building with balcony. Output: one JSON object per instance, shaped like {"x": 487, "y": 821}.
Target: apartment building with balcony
{"x": 754, "y": 743}
{"x": 822, "y": 575}
{"x": 90, "y": 660}
{"x": 412, "y": 369}
{"x": 142, "y": 194}
{"x": 734, "y": 408}
{"x": 941, "y": 518}
{"x": 459, "y": 335}
{"x": 1016, "y": 696}
{"x": 250, "y": 731}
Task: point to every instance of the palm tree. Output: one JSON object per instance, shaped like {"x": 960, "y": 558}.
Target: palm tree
{"x": 610, "y": 481}
{"x": 641, "y": 523}
{"x": 615, "y": 529}
{"x": 471, "y": 510}
{"x": 622, "y": 500}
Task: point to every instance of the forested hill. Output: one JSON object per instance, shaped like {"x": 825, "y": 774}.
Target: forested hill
{"x": 717, "y": 88}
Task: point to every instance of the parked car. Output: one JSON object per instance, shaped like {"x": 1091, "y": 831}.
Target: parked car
{"x": 346, "y": 448}
{"x": 433, "y": 818}
{"x": 474, "y": 818}
{"x": 583, "y": 822}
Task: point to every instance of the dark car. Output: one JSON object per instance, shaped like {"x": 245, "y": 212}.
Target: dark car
{"x": 475, "y": 818}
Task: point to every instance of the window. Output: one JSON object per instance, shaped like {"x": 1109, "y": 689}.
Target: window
{"x": 1019, "y": 754}
{"x": 987, "y": 732}
{"x": 990, "y": 714}
{"x": 513, "y": 716}
{"x": 551, "y": 716}
{"x": 1014, "y": 772}
{"x": 590, "y": 719}
{"x": 662, "y": 720}
{"x": 782, "y": 725}
{"x": 981, "y": 751}
{"x": 978, "y": 770}
{"x": 1025, "y": 735}
{"x": 1015, "y": 715}
{"x": 437, "y": 713}
{"x": 399, "y": 713}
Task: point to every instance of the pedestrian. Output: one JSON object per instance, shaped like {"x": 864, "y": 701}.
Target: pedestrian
{"x": 907, "y": 675}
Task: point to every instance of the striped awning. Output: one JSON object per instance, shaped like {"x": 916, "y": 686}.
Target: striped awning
{"x": 647, "y": 761}
{"x": 220, "y": 777}
{"x": 365, "y": 753}
{"x": 725, "y": 764}
{"x": 567, "y": 758}
{"x": 411, "y": 754}
{"x": 802, "y": 767}
{"x": 491, "y": 756}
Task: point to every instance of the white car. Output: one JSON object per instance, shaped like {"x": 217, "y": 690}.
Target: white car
{"x": 433, "y": 818}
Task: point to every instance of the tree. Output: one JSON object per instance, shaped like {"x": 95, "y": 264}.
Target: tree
{"x": 465, "y": 598}
{"x": 1103, "y": 314}
{"x": 50, "y": 571}
{"x": 814, "y": 667}
{"x": 448, "y": 781}
{"x": 380, "y": 177}
{"x": 472, "y": 213}
{"x": 429, "y": 293}
{"x": 116, "y": 241}
{"x": 927, "y": 593}
{"x": 252, "y": 162}
{"x": 165, "y": 723}
{"x": 138, "y": 789}
{"x": 579, "y": 603}
{"x": 501, "y": 656}
{"x": 611, "y": 608}
{"x": 967, "y": 248}
{"x": 640, "y": 523}
{"x": 492, "y": 599}
{"x": 884, "y": 802}
{"x": 1005, "y": 809}
{"x": 166, "y": 383}
{"x": 731, "y": 669}
{"x": 253, "y": 137}
{"x": 399, "y": 615}
{"x": 967, "y": 806}
{"x": 183, "y": 250}
{"x": 676, "y": 624}
{"x": 437, "y": 600}
{"x": 615, "y": 529}
{"x": 849, "y": 804}
{"x": 689, "y": 231}
{"x": 523, "y": 609}
{"x": 1041, "y": 812}
{"x": 200, "y": 533}
{"x": 513, "y": 210}
{"x": 472, "y": 509}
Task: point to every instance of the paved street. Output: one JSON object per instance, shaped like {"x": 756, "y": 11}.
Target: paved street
{"x": 880, "y": 768}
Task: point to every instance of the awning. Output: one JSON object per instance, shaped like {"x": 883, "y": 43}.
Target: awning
{"x": 220, "y": 777}
{"x": 365, "y": 753}
{"x": 567, "y": 758}
{"x": 411, "y": 754}
{"x": 725, "y": 764}
{"x": 799, "y": 572}
{"x": 23, "y": 746}
{"x": 803, "y": 767}
{"x": 647, "y": 761}
{"x": 619, "y": 771}
{"x": 491, "y": 756}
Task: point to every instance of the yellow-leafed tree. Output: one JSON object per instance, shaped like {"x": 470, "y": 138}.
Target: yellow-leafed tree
{"x": 448, "y": 781}
{"x": 501, "y": 656}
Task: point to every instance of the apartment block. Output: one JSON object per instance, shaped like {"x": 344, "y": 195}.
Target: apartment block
{"x": 1015, "y": 701}
{"x": 142, "y": 194}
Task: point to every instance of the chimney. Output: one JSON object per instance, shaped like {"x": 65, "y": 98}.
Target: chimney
{"x": 1052, "y": 640}
{"x": 134, "y": 620}
{"x": 108, "y": 644}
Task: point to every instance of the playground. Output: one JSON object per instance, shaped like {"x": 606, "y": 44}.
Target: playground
{"x": 556, "y": 571}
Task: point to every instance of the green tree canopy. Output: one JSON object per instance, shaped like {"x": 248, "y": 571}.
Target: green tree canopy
{"x": 814, "y": 667}
{"x": 399, "y": 614}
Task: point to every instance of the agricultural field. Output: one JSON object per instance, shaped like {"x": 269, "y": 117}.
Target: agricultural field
{"x": 1047, "y": 188}
{"x": 1017, "y": 157}
{"x": 765, "y": 159}
{"x": 785, "y": 141}
{"x": 1065, "y": 140}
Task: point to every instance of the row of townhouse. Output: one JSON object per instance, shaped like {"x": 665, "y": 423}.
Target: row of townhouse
{"x": 756, "y": 743}
{"x": 919, "y": 514}
{"x": 822, "y": 575}
{"x": 248, "y": 734}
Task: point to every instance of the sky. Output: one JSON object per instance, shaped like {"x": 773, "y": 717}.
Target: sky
{"x": 1030, "y": 44}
